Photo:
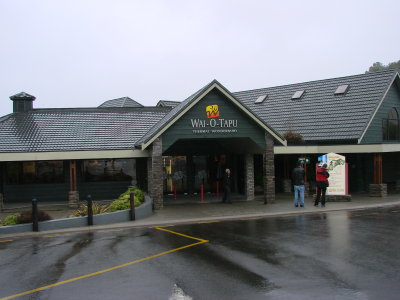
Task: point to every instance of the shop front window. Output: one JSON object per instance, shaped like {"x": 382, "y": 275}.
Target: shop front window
{"x": 34, "y": 172}
{"x": 108, "y": 170}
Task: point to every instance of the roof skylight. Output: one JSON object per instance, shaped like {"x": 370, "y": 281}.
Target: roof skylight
{"x": 298, "y": 94}
{"x": 261, "y": 99}
{"x": 342, "y": 89}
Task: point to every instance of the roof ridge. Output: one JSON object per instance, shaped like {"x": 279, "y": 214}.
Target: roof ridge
{"x": 320, "y": 80}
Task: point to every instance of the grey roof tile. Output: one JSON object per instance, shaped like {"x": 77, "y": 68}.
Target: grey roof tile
{"x": 320, "y": 114}
{"x": 76, "y": 129}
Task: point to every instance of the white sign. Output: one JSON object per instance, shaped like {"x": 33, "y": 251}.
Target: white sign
{"x": 337, "y": 173}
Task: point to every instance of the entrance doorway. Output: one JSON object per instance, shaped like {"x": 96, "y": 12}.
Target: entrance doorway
{"x": 187, "y": 175}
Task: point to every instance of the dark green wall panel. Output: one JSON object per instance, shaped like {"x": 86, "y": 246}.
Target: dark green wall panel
{"x": 231, "y": 119}
{"x": 374, "y": 132}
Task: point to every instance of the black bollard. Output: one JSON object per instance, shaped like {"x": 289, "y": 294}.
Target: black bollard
{"x": 132, "y": 203}
{"x": 90, "y": 210}
{"x": 35, "y": 219}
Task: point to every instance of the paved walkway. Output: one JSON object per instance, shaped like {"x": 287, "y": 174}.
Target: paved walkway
{"x": 212, "y": 211}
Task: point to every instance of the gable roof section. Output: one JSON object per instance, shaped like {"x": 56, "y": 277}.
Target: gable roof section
{"x": 167, "y": 103}
{"x": 320, "y": 115}
{"x": 55, "y": 130}
{"x": 396, "y": 80}
{"x": 178, "y": 111}
{"x": 121, "y": 102}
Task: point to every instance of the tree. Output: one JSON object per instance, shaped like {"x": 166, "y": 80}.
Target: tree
{"x": 378, "y": 66}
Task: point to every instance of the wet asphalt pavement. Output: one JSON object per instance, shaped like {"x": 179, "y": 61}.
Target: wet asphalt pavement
{"x": 337, "y": 255}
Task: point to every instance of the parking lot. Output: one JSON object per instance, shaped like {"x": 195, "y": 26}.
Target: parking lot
{"x": 336, "y": 255}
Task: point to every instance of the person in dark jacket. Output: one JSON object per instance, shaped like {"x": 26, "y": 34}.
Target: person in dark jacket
{"x": 298, "y": 176}
{"x": 227, "y": 187}
{"x": 322, "y": 183}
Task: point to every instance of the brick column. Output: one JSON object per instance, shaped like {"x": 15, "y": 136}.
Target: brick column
{"x": 156, "y": 174}
{"x": 249, "y": 176}
{"x": 269, "y": 170}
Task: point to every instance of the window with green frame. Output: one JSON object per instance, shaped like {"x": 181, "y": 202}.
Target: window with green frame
{"x": 390, "y": 126}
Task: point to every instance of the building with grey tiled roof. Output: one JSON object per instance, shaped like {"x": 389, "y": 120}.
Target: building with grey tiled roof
{"x": 183, "y": 147}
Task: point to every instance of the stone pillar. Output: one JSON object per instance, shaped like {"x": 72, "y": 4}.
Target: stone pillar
{"x": 73, "y": 195}
{"x": 73, "y": 199}
{"x": 269, "y": 170}
{"x": 249, "y": 176}
{"x": 156, "y": 177}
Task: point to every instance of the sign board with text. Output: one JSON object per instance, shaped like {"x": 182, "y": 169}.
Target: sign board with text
{"x": 338, "y": 177}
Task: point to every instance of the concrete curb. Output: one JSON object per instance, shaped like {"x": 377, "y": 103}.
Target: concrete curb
{"x": 146, "y": 223}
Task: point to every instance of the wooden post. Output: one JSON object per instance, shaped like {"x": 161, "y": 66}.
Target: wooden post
{"x": 72, "y": 175}
{"x": 378, "y": 168}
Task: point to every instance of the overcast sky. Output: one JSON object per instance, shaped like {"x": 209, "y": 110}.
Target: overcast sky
{"x": 81, "y": 53}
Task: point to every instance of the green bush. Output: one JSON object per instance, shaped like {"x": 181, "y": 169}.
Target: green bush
{"x": 120, "y": 204}
{"x": 123, "y": 200}
{"x": 11, "y": 220}
{"x": 139, "y": 196}
{"x": 96, "y": 208}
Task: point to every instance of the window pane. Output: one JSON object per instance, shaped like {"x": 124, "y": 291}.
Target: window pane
{"x": 49, "y": 172}
{"x": 108, "y": 170}
{"x": 13, "y": 172}
{"x": 393, "y": 130}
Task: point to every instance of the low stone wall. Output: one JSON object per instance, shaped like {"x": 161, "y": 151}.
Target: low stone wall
{"x": 378, "y": 190}
{"x": 143, "y": 211}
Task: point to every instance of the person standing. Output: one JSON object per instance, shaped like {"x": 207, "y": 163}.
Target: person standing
{"x": 298, "y": 176}
{"x": 227, "y": 187}
{"x": 322, "y": 184}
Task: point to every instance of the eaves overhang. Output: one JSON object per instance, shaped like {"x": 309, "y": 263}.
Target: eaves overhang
{"x": 365, "y": 148}
{"x": 72, "y": 155}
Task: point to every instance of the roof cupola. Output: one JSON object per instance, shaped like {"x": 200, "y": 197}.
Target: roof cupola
{"x": 22, "y": 102}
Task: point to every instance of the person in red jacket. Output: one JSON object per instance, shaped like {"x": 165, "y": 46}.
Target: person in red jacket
{"x": 322, "y": 184}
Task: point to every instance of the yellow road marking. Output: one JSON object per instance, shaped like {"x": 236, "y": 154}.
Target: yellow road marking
{"x": 162, "y": 226}
{"x": 55, "y": 235}
{"x": 6, "y": 241}
{"x": 395, "y": 211}
{"x": 367, "y": 214}
{"x": 201, "y": 241}
{"x": 181, "y": 234}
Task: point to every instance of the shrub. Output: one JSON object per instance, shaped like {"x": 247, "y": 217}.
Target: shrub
{"x": 96, "y": 208}
{"x": 26, "y": 216}
{"x": 11, "y": 220}
{"x": 120, "y": 204}
{"x": 293, "y": 137}
{"x": 123, "y": 200}
{"x": 139, "y": 196}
